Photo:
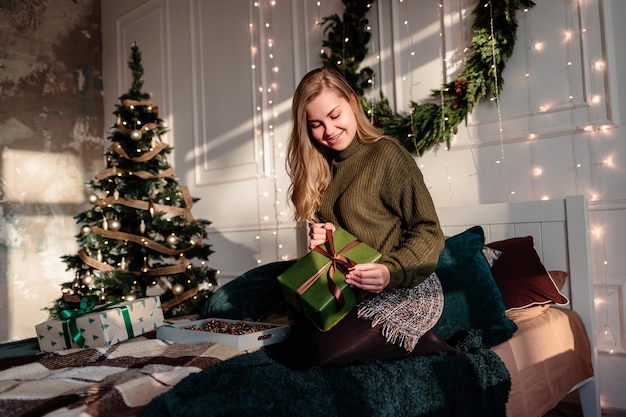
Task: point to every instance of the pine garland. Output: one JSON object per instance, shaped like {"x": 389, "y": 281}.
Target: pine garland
{"x": 435, "y": 121}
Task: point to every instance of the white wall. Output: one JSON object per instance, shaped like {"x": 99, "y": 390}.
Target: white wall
{"x": 229, "y": 121}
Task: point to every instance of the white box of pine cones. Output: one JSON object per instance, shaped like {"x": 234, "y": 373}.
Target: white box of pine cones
{"x": 239, "y": 334}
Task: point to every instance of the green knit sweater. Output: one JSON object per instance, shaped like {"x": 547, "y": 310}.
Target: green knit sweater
{"x": 378, "y": 194}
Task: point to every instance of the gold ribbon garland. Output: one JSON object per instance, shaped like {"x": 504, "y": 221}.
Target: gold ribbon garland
{"x": 144, "y": 241}
{"x": 94, "y": 263}
{"x": 117, "y": 148}
{"x": 115, "y": 171}
{"x": 144, "y": 129}
{"x": 170, "y": 211}
{"x": 101, "y": 266}
{"x": 177, "y": 300}
{"x": 134, "y": 103}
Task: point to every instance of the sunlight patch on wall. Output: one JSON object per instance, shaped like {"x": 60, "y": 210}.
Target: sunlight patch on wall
{"x": 34, "y": 269}
{"x": 38, "y": 177}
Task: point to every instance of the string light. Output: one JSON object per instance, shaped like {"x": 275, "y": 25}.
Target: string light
{"x": 444, "y": 118}
{"x": 594, "y": 136}
{"x": 497, "y": 99}
{"x": 535, "y": 145}
{"x": 264, "y": 58}
{"x": 409, "y": 36}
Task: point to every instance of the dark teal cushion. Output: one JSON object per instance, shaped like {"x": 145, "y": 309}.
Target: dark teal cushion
{"x": 472, "y": 299}
{"x": 252, "y": 295}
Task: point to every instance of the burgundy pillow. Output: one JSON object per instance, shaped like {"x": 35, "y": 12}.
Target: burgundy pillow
{"x": 559, "y": 278}
{"x": 521, "y": 276}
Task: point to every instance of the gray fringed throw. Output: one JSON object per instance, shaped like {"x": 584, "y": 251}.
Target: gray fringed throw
{"x": 405, "y": 313}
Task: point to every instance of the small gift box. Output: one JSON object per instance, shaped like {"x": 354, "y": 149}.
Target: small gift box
{"x": 100, "y": 326}
{"x": 315, "y": 285}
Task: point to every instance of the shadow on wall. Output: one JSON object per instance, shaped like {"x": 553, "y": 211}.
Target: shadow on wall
{"x": 51, "y": 136}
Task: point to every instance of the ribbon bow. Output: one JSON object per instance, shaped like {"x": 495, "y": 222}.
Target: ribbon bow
{"x": 87, "y": 306}
{"x": 336, "y": 261}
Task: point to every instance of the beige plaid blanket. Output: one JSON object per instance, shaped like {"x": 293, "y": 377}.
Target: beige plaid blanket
{"x": 115, "y": 381}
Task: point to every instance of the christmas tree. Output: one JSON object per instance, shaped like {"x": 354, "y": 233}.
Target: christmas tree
{"x": 139, "y": 238}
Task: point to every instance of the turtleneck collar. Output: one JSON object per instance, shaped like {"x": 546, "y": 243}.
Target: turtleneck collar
{"x": 352, "y": 149}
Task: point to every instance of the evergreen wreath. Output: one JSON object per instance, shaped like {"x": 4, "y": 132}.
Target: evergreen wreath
{"x": 433, "y": 122}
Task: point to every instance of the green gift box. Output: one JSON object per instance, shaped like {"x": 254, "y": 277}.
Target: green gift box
{"x": 100, "y": 325}
{"x": 315, "y": 285}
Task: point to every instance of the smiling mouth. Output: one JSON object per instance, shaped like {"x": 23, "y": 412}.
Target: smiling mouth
{"x": 335, "y": 137}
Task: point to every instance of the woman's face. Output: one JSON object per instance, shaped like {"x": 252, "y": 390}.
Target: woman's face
{"x": 331, "y": 120}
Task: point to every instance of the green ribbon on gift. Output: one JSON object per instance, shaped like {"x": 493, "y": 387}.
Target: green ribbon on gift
{"x": 336, "y": 261}
{"x": 87, "y": 306}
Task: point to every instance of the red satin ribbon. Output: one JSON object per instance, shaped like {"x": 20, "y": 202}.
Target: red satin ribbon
{"x": 336, "y": 261}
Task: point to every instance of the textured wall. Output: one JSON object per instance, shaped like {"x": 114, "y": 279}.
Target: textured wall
{"x": 51, "y": 143}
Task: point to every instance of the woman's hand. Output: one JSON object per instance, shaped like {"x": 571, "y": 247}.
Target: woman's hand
{"x": 369, "y": 277}
{"x": 317, "y": 233}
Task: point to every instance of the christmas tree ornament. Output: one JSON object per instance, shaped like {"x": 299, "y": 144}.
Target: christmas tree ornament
{"x": 151, "y": 208}
{"x": 92, "y": 198}
{"x": 105, "y": 224}
{"x": 142, "y": 227}
{"x": 135, "y": 135}
{"x": 172, "y": 240}
{"x": 85, "y": 230}
{"x": 115, "y": 225}
{"x": 116, "y": 194}
{"x": 178, "y": 288}
{"x": 145, "y": 268}
{"x": 88, "y": 279}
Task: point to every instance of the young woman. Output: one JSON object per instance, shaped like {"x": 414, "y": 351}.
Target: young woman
{"x": 346, "y": 173}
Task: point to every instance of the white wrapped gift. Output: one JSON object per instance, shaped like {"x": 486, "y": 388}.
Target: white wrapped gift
{"x": 100, "y": 326}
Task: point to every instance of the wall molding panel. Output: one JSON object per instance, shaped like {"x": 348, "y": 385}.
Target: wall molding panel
{"x": 220, "y": 91}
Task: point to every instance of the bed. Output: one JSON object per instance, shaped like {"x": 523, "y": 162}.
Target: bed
{"x": 560, "y": 232}
{"x": 550, "y": 353}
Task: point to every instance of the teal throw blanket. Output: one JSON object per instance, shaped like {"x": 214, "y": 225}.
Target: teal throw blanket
{"x": 474, "y": 384}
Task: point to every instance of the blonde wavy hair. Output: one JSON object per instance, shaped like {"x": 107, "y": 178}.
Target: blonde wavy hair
{"x": 308, "y": 162}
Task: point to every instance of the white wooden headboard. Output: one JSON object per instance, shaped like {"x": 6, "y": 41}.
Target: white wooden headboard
{"x": 561, "y": 236}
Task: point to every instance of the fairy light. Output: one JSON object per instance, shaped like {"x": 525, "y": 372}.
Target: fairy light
{"x": 535, "y": 144}
{"x": 497, "y": 100}
{"x": 444, "y": 118}
{"x": 594, "y": 136}
{"x": 409, "y": 69}
{"x": 265, "y": 67}
{"x": 257, "y": 70}
{"x": 371, "y": 93}
{"x": 318, "y": 19}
